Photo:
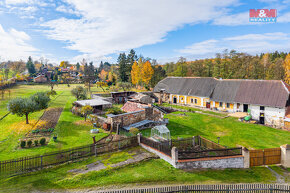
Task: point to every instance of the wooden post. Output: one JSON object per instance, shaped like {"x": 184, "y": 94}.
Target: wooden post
{"x": 41, "y": 162}
{"x": 95, "y": 150}
{"x": 193, "y": 141}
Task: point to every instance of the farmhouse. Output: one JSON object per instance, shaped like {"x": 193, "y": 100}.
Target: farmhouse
{"x": 265, "y": 100}
{"x": 40, "y": 79}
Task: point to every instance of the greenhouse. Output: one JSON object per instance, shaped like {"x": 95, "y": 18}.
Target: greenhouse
{"x": 160, "y": 133}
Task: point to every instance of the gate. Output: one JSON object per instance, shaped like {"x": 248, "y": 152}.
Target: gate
{"x": 261, "y": 157}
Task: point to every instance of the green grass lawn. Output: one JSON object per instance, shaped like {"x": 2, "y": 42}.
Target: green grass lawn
{"x": 150, "y": 172}
{"x": 193, "y": 109}
{"x": 70, "y": 129}
{"x": 232, "y": 133}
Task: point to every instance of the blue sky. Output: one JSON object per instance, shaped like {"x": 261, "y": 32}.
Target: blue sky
{"x": 161, "y": 29}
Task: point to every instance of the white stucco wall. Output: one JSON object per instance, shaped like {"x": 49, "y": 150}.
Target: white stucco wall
{"x": 273, "y": 116}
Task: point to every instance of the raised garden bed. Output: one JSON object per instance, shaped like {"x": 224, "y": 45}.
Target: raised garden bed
{"x": 43, "y": 128}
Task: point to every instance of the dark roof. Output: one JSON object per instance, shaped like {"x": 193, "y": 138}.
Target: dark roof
{"x": 263, "y": 92}
{"x": 273, "y": 93}
{"x": 226, "y": 90}
{"x": 193, "y": 86}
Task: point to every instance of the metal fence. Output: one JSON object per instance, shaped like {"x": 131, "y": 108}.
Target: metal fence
{"x": 32, "y": 163}
{"x": 163, "y": 147}
{"x": 209, "y": 153}
{"x": 221, "y": 188}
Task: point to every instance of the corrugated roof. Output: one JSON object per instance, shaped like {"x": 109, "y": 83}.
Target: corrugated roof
{"x": 93, "y": 102}
{"x": 193, "y": 86}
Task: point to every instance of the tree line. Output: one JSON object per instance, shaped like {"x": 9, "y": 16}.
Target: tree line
{"x": 234, "y": 65}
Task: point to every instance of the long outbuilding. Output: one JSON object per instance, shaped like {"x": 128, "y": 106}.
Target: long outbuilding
{"x": 266, "y": 100}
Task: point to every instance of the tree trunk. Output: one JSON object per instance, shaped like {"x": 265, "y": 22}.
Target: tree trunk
{"x": 26, "y": 115}
{"x": 85, "y": 117}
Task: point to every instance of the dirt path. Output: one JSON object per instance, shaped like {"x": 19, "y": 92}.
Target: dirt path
{"x": 279, "y": 178}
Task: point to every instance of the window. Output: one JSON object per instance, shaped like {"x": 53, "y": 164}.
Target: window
{"x": 191, "y": 100}
{"x": 262, "y": 108}
{"x": 228, "y": 105}
{"x": 181, "y": 99}
{"x": 221, "y": 104}
{"x": 195, "y": 101}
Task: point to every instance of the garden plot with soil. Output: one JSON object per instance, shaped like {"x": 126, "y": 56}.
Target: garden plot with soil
{"x": 45, "y": 126}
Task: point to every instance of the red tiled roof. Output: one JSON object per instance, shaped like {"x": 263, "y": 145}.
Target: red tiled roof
{"x": 132, "y": 106}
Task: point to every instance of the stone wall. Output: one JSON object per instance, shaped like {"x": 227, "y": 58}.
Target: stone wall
{"x": 126, "y": 119}
{"x": 213, "y": 163}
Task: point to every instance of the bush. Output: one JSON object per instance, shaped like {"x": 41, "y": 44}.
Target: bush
{"x": 22, "y": 144}
{"x": 42, "y": 141}
{"x": 114, "y": 111}
{"x": 36, "y": 142}
{"x": 29, "y": 143}
{"x": 134, "y": 130}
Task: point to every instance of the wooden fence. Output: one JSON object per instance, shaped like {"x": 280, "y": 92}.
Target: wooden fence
{"x": 237, "y": 188}
{"x": 32, "y": 163}
{"x": 261, "y": 157}
{"x": 162, "y": 147}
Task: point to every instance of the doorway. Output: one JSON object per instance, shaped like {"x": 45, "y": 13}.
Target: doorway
{"x": 262, "y": 120}
{"x": 208, "y": 105}
{"x": 246, "y": 107}
{"x": 174, "y": 100}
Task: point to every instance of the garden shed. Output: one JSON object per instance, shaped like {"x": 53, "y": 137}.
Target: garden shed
{"x": 160, "y": 133}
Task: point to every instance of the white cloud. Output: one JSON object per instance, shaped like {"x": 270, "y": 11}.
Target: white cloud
{"x": 249, "y": 43}
{"x": 65, "y": 9}
{"x": 284, "y": 18}
{"x": 233, "y": 20}
{"x": 112, "y": 26}
{"x": 14, "y": 44}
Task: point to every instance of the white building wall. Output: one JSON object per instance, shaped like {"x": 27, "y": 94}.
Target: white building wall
{"x": 255, "y": 111}
{"x": 274, "y": 116}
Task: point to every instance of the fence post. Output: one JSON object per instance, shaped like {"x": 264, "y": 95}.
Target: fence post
{"x": 285, "y": 156}
{"x": 95, "y": 149}
{"x": 246, "y": 154}
{"x": 193, "y": 141}
{"x": 41, "y": 161}
{"x": 174, "y": 156}
{"x": 139, "y": 135}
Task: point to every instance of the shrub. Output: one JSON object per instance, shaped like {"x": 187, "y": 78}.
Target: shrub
{"x": 36, "y": 142}
{"x": 22, "y": 144}
{"x": 134, "y": 130}
{"x": 114, "y": 111}
{"x": 42, "y": 141}
{"x": 29, "y": 143}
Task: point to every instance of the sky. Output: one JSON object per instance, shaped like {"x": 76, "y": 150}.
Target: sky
{"x": 98, "y": 30}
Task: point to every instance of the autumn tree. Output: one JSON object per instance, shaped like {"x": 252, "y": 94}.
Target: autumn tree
{"x": 147, "y": 72}
{"x": 86, "y": 110}
{"x": 102, "y": 85}
{"x": 103, "y": 75}
{"x": 286, "y": 66}
{"x": 124, "y": 85}
{"x": 135, "y": 74}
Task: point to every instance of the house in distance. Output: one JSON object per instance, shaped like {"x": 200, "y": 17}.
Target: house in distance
{"x": 266, "y": 100}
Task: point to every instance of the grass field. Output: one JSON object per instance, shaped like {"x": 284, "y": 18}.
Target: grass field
{"x": 232, "y": 133}
{"x": 71, "y": 129}
{"x": 144, "y": 173}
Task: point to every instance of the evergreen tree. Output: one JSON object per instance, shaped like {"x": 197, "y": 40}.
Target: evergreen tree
{"x": 78, "y": 66}
{"x": 30, "y": 66}
{"x": 122, "y": 62}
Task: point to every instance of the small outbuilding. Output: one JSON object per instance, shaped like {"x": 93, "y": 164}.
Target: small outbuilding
{"x": 160, "y": 133}
{"x": 97, "y": 104}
